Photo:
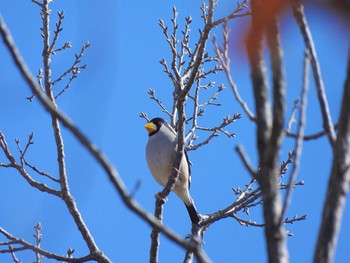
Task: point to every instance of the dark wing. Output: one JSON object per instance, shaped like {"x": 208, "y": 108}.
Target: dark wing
{"x": 189, "y": 169}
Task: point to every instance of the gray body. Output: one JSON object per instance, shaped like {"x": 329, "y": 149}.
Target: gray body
{"x": 161, "y": 156}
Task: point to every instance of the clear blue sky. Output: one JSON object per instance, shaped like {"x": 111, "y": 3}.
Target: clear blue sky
{"x": 126, "y": 45}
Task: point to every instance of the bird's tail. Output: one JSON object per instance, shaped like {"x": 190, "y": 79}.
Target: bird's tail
{"x": 192, "y": 211}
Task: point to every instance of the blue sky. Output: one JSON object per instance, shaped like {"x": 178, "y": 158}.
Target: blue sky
{"x": 105, "y": 101}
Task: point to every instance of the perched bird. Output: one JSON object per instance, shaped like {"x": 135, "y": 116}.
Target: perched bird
{"x": 161, "y": 154}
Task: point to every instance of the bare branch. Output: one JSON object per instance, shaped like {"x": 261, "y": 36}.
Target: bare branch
{"x": 40, "y": 82}
{"x": 14, "y": 258}
{"x": 57, "y": 31}
{"x": 143, "y": 115}
{"x": 40, "y": 186}
{"x": 338, "y": 186}
{"x": 246, "y": 162}
{"x": 234, "y": 14}
{"x": 311, "y": 136}
{"x": 214, "y": 132}
{"x": 172, "y": 41}
{"x": 225, "y": 63}
{"x": 94, "y": 151}
{"x": 294, "y": 219}
{"x": 269, "y": 129}
{"x": 292, "y": 119}
{"x": 298, "y": 12}
{"x": 38, "y": 238}
{"x": 30, "y": 142}
{"x": 64, "y": 47}
{"x": 152, "y": 95}
{"x": 38, "y": 3}
{"x": 196, "y": 240}
{"x": 74, "y": 70}
{"x": 167, "y": 71}
{"x": 200, "y": 48}
{"x": 247, "y": 222}
{"x": 25, "y": 162}
{"x": 24, "y": 245}
{"x": 300, "y": 133}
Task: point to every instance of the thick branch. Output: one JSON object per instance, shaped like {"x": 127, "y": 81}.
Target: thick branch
{"x": 338, "y": 185}
{"x": 269, "y": 131}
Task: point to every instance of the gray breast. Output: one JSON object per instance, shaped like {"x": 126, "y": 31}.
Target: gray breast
{"x": 160, "y": 155}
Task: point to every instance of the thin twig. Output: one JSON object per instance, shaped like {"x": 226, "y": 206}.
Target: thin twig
{"x": 300, "y": 134}
{"x": 57, "y": 30}
{"x": 246, "y": 161}
{"x": 152, "y": 95}
{"x": 94, "y": 151}
{"x": 309, "y": 137}
{"x": 234, "y": 14}
{"x": 143, "y": 115}
{"x": 38, "y": 238}
{"x": 14, "y": 258}
{"x": 13, "y": 163}
{"x": 74, "y": 70}
{"x": 214, "y": 131}
{"x": 292, "y": 119}
{"x": 28, "y": 246}
{"x": 298, "y": 12}
{"x": 225, "y": 63}
{"x": 247, "y": 222}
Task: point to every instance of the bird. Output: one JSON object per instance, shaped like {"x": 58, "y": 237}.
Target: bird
{"x": 161, "y": 156}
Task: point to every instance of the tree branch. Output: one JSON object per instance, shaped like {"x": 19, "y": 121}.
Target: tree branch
{"x": 234, "y": 14}
{"x": 94, "y": 151}
{"x": 300, "y": 134}
{"x": 225, "y": 63}
{"x": 24, "y": 245}
{"x": 20, "y": 168}
{"x": 269, "y": 131}
{"x": 298, "y": 12}
{"x": 338, "y": 186}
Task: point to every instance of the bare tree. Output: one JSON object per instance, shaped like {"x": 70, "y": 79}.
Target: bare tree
{"x": 191, "y": 70}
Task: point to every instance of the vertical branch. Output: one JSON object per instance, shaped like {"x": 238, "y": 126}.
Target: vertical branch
{"x": 274, "y": 232}
{"x": 38, "y": 238}
{"x": 66, "y": 196}
{"x": 298, "y": 12}
{"x": 180, "y": 93}
{"x": 201, "y": 45}
{"x": 46, "y": 54}
{"x": 269, "y": 130}
{"x": 258, "y": 75}
{"x": 279, "y": 87}
{"x": 300, "y": 135}
{"x": 162, "y": 196}
{"x": 155, "y": 235}
{"x": 196, "y": 240}
{"x": 338, "y": 185}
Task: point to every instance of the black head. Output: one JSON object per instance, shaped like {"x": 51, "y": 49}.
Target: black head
{"x": 154, "y": 125}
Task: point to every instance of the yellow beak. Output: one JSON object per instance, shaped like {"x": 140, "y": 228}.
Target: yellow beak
{"x": 150, "y": 127}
